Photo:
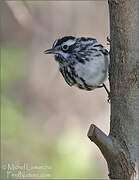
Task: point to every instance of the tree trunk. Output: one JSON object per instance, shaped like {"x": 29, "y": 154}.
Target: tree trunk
{"x": 120, "y": 146}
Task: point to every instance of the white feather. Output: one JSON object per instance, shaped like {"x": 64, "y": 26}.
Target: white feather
{"x": 93, "y": 72}
{"x": 69, "y": 42}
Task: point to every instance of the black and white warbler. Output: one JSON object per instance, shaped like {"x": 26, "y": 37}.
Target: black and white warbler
{"x": 83, "y": 62}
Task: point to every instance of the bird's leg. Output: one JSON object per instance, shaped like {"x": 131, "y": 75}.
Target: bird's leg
{"x": 108, "y": 92}
{"x": 106, "y": 89}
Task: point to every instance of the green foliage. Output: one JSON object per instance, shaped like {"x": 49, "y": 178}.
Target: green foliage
{"x": 14, "y": 66}
{"x": 73, "y": 157}
{"x": 22, "y": 142}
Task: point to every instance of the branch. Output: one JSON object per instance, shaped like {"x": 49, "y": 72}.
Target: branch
{"x": 103, "y": 141}
{"x": 114, "y": 154}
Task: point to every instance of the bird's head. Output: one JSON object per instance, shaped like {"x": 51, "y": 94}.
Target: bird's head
{"x": 63, "y": 48}
{"x": 68, "y": 47}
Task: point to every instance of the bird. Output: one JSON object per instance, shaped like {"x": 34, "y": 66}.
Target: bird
{"x": 82, "y": 61}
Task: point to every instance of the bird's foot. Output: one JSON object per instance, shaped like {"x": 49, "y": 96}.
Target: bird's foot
{"x": 109, "y": 97}
{"x": 108, "y": 40}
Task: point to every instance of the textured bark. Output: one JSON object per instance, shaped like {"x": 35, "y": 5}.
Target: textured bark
{"x": 120, "y": 146}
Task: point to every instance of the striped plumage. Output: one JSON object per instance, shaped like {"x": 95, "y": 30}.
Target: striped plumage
{"x": 83, "y": 62}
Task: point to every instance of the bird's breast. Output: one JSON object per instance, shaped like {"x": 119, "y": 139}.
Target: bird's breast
{"x": 93, "y": 72}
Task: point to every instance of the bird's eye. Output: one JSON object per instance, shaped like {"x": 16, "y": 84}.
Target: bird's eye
{"x": 65, "y": 47}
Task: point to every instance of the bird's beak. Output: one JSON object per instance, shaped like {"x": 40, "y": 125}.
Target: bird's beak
{"x": 49, "y": 51}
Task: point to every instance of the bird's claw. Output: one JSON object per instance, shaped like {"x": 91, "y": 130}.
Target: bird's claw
{"x": 108, "y": 40}
{"x": 109, "y": 97}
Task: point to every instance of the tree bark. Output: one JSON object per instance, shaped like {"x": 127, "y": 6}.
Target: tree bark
{"x": 120, "y": 146}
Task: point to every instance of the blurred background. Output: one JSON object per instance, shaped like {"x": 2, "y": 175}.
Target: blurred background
{"x": 44, "y": 121}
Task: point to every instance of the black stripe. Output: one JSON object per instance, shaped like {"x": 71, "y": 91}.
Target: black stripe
{"x": 86, "y": 46}
{"x": 104, "y": 51}
{"x": 73, "y": 74}
{"x": 87, "y": 39}
{"x": 85, "y": 85}
{"x": 98, "y": 45}
{"x": 79, "y": 86}
{"x": 72, "y": 78}
{"x": 80, "y": 59}
{"x": 62, "y": 70}
{"x": 67, "y": 77}
{"x": 64, "y": 39}
{"x": 93, "y": 49}
{"x": 97, "y": 55}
